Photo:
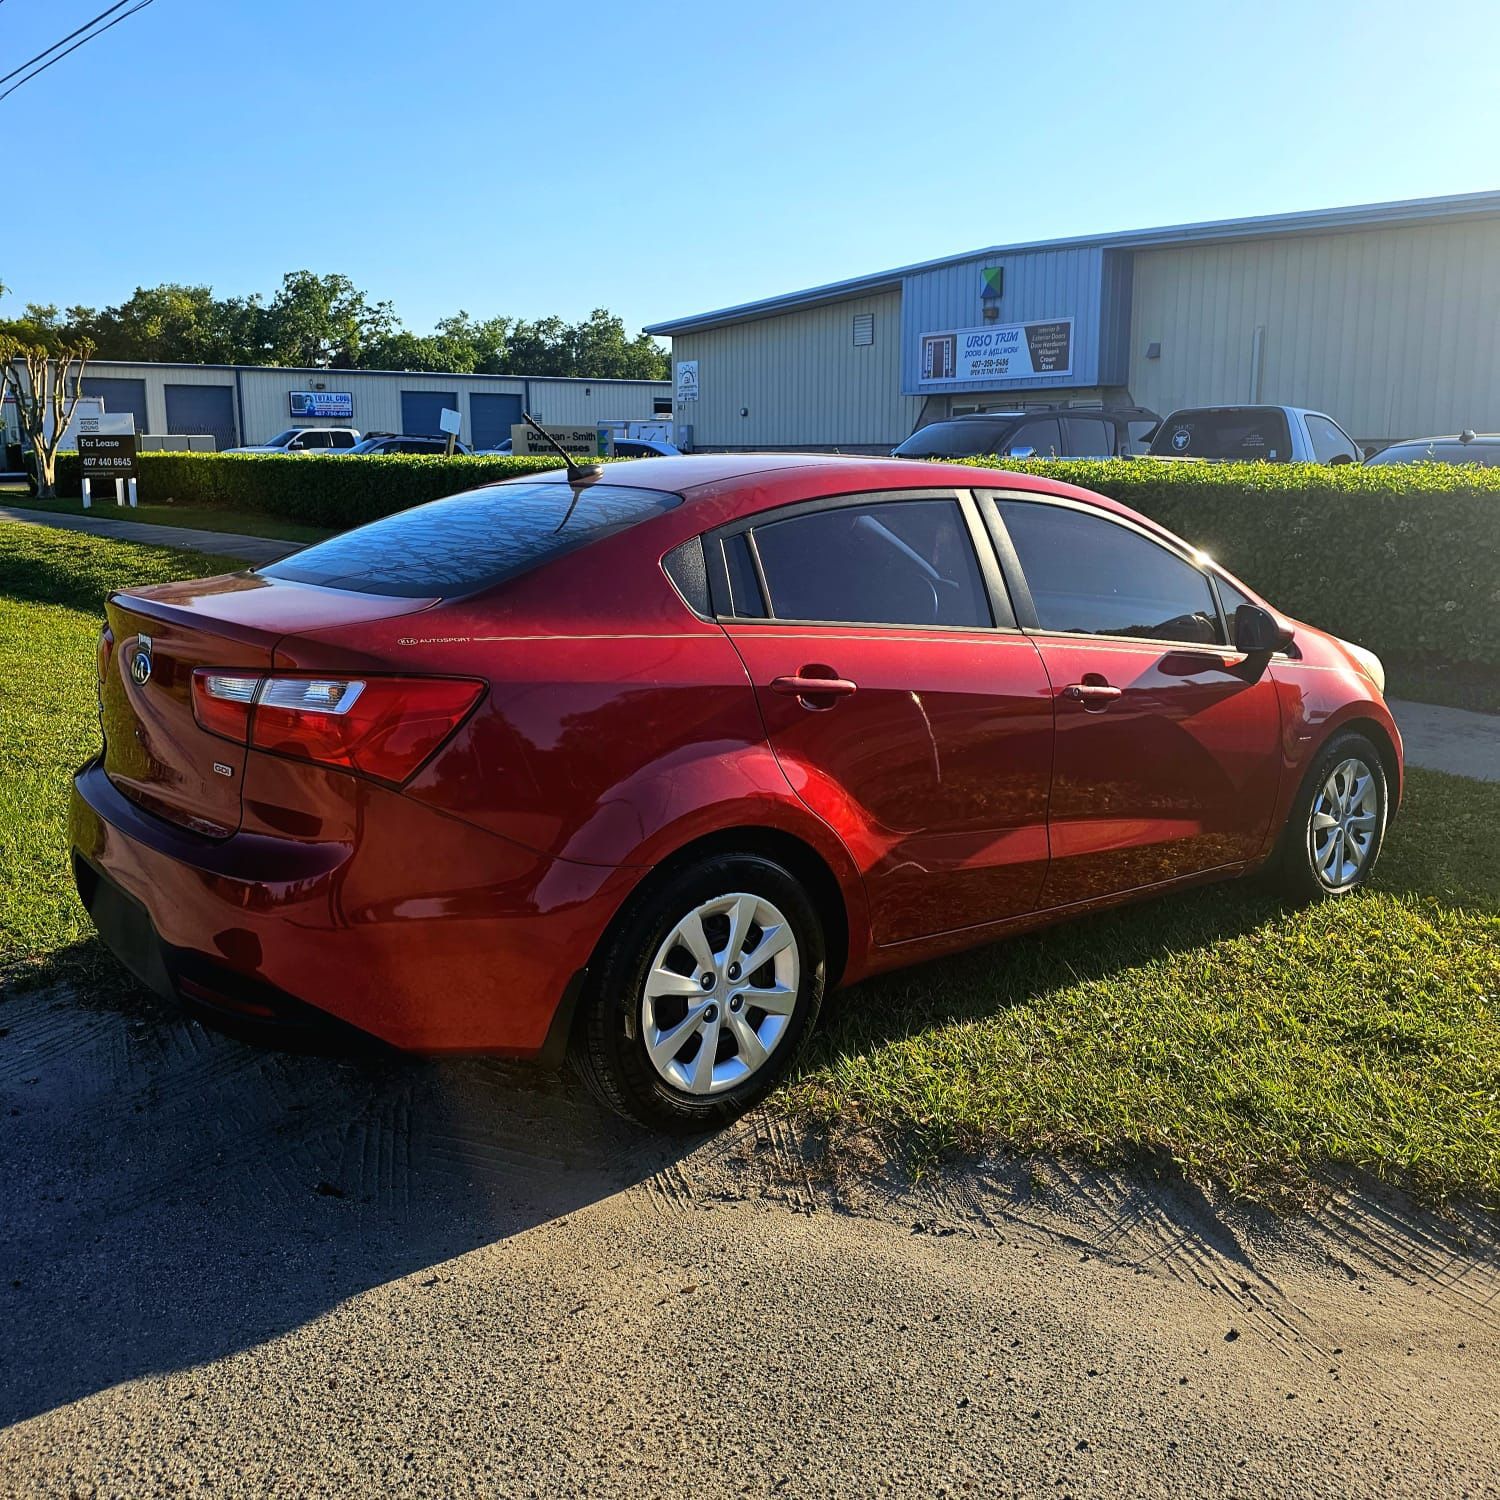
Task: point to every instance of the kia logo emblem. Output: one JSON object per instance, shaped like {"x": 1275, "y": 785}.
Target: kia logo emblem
{"x": 140, "y": 663}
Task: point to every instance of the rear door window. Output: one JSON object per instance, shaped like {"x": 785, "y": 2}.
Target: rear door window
{"x": 343, "y": 439}
{"x": 1091, "y": 437}
{"x": 1092, "y": 576}
{"x": 469, "y": 542}
{"x": 1329, "y": 444}
{"x": 1250, "y": 432}
{"x": 904, "y": 562}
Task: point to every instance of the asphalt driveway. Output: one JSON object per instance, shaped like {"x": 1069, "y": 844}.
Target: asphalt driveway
{"x": 237, "y": 1271}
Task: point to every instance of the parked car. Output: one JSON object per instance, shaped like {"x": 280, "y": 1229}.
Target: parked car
{"x": 395, "y": 442}
{"x": 638, "y": 765}
{"x": 1468, "y": 447}
{"x": 304, "y": 440}
{"x": 1063, "y": 432}
{"x": 1273, "y": 434}
{"x": 645, "y": 448}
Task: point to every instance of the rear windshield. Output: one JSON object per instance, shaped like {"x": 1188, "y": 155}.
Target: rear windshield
{"x": 1441, "y": 453}
{"x": 468, "y": 542}
{"x": 955, "y": 439}
{"x": 1244, "y": 432}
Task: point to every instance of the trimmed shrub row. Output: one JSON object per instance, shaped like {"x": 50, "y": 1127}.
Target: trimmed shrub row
{"x": 1404, "y": 559}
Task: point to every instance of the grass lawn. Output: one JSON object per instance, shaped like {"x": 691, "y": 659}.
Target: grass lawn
{"x": 1254, "y": 1045}
{"x": 176, "y": 515}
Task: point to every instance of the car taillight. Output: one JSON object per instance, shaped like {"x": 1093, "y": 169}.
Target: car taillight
{"x": 380, "y": 726}
{"x": 103, "y": 651}
{"x": 222, "y": 701}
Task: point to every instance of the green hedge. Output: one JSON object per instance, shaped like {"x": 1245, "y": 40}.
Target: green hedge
{"x": 316, "y": 490}
{"x": 1404, "y": 559}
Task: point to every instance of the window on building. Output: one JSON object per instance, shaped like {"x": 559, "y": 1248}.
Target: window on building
{"x": 907, "y": 562}
{"x": 1090, "y": 576}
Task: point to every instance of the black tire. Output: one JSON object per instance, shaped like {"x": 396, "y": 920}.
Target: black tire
{"x": 1299, "y": 870}
{"x": 609, "y": 1049}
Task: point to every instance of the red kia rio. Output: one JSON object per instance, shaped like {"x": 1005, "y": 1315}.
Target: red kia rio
{"x": 635, "y": 766}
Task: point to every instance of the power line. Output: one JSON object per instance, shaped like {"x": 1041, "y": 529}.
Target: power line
{"x": 76, "y": 45}
{"x": 53, "y": 48}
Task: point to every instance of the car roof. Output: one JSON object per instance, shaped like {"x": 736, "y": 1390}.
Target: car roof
{"x": 1449, "y": 441}
{"x": 792, "y": 476}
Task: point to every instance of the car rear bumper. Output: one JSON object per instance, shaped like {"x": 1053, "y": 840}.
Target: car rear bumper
{"x": 439, "y": 937}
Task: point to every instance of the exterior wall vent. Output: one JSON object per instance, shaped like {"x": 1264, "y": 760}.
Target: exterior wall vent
{"x": 864, "y": 329}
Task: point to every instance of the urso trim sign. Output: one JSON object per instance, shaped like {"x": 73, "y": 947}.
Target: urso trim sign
{"x": 998, "y": 351}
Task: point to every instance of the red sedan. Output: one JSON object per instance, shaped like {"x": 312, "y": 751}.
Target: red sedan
{"x": 635, "y": 766}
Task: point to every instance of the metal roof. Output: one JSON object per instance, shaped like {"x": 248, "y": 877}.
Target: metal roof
{"x": 1316, "y": 221}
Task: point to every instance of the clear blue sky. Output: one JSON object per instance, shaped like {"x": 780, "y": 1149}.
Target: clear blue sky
{"x": 676, "y": 158}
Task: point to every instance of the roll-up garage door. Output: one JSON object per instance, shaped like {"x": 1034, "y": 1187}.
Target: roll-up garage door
{"x": 491, "y": 418}
{"x": 119, "y": 395}
{"x": 420, "y": 410}
{"x": 203, "y": 408}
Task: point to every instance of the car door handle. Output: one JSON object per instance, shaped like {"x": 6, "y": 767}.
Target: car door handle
{"x": 799, "y": 686}
{"x": 1094, "y": 696}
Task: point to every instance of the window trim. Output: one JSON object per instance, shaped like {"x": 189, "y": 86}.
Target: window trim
{"x": 1015, "y": 574}
{"x": 1003, "y": 618}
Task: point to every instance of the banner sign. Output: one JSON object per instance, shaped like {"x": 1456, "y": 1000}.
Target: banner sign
{"x": 107, "y": 455}
{"x": 687, "y": 379}
{"x": 322, "y": 403}
{"x": 998, "y": 351}
{"x": 576, "y": 442}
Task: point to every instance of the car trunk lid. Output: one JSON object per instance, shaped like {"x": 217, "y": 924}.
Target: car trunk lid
{"x": 155, "y": 751}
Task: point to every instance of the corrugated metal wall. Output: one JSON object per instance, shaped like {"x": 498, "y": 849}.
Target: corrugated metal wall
{"x": 1393, "y": 332}
{"x": 802, "y": 379}
{"x": 266, "y": 411}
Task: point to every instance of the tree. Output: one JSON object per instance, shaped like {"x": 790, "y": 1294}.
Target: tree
{"x": 324, "y": 321}
{"x": 39, "y": 380}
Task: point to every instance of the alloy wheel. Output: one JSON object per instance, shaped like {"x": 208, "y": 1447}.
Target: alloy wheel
{"x": 720, "y": 993}
{"x": 1344, "y": 822}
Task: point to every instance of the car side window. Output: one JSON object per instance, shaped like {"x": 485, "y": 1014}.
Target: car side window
{"x": 343, "y": 439}
{"x": 1091, "y": 437}
{"x": 899, "y": 562}
{"x": 1329, "y": 444}
{"x": 314, "y": 438}
{"x": 1090, "y": 576}
{"x": 1042, "y": 437}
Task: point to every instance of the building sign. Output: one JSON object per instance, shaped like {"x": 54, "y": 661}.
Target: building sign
{"x": 322, "y": 403}
{"x": 687, "y": 379}
{"x": 576, "y": 442}
{"x": 107, "y": 455}
{"x": 112, "y": 422}
{"x": 998, "y": 351}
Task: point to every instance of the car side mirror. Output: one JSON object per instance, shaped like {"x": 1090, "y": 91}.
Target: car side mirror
{"x": 295, "y": 443}
{"x": 1340, "y": 458}
{"x": 1371, "y": 450}
{"x": 1257, "y": 633}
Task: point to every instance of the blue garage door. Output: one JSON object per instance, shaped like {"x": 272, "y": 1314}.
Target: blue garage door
{"x": 119, "y": 396}
{"x": 419, "y": 410}
{"x": 491, "y": 419}
{"x": 203, "y": 408}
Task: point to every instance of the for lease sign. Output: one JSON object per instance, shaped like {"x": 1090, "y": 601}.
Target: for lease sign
{"x": 998, "y": 351}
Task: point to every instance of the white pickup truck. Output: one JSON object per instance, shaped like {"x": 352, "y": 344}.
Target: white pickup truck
{"x": 1272, "y": 434}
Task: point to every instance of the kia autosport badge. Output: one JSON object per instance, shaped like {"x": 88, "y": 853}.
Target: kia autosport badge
{"x": 140, "y": 663}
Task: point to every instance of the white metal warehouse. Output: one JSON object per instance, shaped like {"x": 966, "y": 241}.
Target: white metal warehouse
{"x": 238, "y": 404}
{"x": 1383, "y": 316}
